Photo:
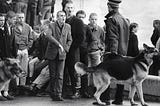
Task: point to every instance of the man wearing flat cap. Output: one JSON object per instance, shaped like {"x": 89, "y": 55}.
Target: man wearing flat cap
{"x": 117, "y": 37}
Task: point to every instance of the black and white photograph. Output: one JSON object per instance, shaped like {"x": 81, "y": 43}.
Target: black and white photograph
{"x": 79, "y": 52}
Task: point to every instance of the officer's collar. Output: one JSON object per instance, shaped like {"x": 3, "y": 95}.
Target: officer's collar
{"x": 111, "y": 13}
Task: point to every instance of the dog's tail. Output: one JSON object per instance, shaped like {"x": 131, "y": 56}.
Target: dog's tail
{"x": 83, "y": 69}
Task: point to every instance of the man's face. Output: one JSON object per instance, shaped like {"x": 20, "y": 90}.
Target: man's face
{"x": 20, "y": 17}
{"x": 69, "y": 9}
{"x": 93, "y": 20}
{"x": 135, "y": 29}
{"x": 12, "y": 20}
{"x": 81, "y": 16}
{"x": 109, "y": 8}
{"x": 2, "y": 21}
{"x": 61, "y": 17}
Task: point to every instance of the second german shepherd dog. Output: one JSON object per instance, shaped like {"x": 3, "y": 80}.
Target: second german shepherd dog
{"x": 122, "y": 69}
{"x": 9, "y": 68}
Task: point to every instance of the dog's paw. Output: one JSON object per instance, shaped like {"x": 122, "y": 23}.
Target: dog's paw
{"x": 102, "y": 104}
{"x": 99, "y": 103}
{"x": 134, "y": 104}
{"x": 144, "y": 104}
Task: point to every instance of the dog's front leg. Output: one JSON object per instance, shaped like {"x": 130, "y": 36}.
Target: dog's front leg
{"x": 140, "y": 92}
{"x": 97, "y": 97}
{"x": 131, "y": 95}
{"x": 99, "y": 90}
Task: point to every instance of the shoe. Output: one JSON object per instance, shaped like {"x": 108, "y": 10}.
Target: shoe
{"x": 107, "y": 103}
{"x": 33, "y": 91}
{"x": 3, "y": 98}
{"x": 57, "y": 98}
{"x": 9, "y": 97}
{"x": 42, "y": 94}
{"x": 117, "y": 102}
{"x": 75, "y": 96}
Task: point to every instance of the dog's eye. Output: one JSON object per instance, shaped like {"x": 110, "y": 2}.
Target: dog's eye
{"x": 14, "y": 64}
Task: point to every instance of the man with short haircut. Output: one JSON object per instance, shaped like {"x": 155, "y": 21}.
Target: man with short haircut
{"x": 59, "y": 37}
{"x": 24, "y": 41}
{"x": 95, "y": 42}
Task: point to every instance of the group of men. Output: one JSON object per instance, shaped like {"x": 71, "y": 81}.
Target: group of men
{"x": 69, "y": 41}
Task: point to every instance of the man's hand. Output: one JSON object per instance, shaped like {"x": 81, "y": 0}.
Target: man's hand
{"x": 61, "y": 48}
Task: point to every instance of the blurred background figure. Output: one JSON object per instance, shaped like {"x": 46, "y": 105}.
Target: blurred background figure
{"x": 64, "y": 3}
{"x": 32, "y": 13}
{"x": 156, "y": 32}
{"x": 20, "y": 6}
{"x": 133, "y": 49}
{"x": 5, "y": 6}
{"x": 45, "y": 9}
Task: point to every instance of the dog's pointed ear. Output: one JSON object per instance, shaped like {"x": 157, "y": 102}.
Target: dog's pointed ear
{"x": 145, "y": 46}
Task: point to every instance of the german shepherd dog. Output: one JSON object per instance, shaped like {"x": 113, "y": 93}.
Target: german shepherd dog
{"x": 122, "y": 69}
{"x": 9, "y": 68}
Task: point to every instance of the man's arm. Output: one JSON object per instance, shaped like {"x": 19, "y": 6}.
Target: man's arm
{"x": 30, "y": 38}
{"x": 79, "y": 34}
{"x": 50, "y": 38}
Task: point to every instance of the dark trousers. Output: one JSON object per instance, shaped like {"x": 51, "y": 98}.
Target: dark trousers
{"x": 56, "y": 69}
{"x": 118, "y": 96}
{"x": 119, "y": 93}
{"x": 83, "y": 55}
{"x": 105, "y": 96}
{"x": 84, "y": 79}
{"x": 72, "y": 58}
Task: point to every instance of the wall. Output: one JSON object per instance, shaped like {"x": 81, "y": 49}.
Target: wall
{"x": 141, "y": 11}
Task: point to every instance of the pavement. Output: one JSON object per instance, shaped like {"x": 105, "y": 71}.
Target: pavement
{"x": 46, "y": 101}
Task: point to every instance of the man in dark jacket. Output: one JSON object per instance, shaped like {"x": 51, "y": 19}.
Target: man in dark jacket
{"x": 117, "y": 37}
{"x": 74, "y": 53}
{"x": 8, "y": 39}
{"x": 59, "y": 37}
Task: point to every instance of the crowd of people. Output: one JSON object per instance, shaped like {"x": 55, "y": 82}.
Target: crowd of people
{"x": 48, "y": 48}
